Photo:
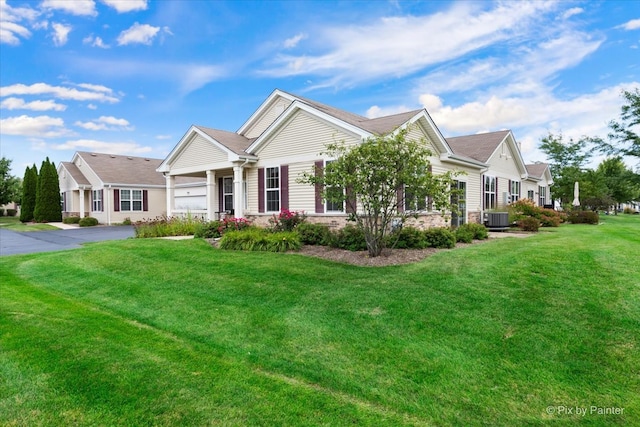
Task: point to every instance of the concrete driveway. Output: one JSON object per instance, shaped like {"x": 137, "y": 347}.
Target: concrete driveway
{"x": 12, "y": 243}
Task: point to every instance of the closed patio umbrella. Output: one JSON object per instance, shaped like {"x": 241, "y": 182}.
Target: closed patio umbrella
{"x": 576, "y": 195}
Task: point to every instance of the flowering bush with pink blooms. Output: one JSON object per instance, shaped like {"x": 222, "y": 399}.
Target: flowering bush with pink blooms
{"x": 287, "y": 220}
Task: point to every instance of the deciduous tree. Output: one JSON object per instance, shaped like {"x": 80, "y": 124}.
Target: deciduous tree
{"x": 373, "y": 177}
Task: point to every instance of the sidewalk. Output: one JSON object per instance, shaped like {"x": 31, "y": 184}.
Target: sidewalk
{"x": 63, "y": 226}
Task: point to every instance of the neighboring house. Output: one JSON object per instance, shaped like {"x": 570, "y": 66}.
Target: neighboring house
{"x": 537, "y": 187}
{"x": 254, "y": 172}
{"x": 112, "y": 188}
{"x": 506, "y": 178}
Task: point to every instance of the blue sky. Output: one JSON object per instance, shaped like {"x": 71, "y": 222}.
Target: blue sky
{"x": 131, "y": 76}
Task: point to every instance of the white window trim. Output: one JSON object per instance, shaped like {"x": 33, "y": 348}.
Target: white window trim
{"x": 96, "y": 197}
{"x": 515, "y": 196}
{"x": 267, "y": 189}
{"x": 224, "y": 205}
{"x": 486, "y": 192}
{"x": 131, "y": 200}
{"x": 326, "y": 202}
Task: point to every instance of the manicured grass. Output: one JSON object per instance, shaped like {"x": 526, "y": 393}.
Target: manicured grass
{"x": 13, "y": 223}
{"x": 154, "y": 332}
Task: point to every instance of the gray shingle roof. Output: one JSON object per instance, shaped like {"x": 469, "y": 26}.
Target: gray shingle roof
{"x": 233, "y": 141}
{"x": 75, "y": 173}
{"x": 479, "y": 147}
{"x": 380, "y": 125}
{"x": 537, "y": 169}
{"x": 115, "y": 169}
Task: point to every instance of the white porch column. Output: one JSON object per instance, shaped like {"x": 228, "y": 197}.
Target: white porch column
{"x": 81, "y": 192}
{"x": 238, "y": 193}
{"x": 211, "y": 195}
{"x": 171, "y": 199}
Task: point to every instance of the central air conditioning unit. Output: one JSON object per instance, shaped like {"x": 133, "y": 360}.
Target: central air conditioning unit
{"x": 496, "y": 220}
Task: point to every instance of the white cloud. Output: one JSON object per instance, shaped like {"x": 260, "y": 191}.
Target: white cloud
{"x": 103, "y": 146}
{"x": 40, "y": 126}
{"x": 634, "y": 24}
{"x": 105, "y": 123}
{"x": 75, "y": 7}
{"x": 11, "y": 27}
{"x": 163, "y": 137}
{"x": 92, "y": 107}
{"x": 20, "y": 104}
{"x": 11, "y": 32}
{"x": 293, "y": 41}
{"x": 571, "y": 12}
{"x": 57, "y": 91}
{"x": 95, "y": 42}
{"x": 376, "y": 111}
{"x": 60, "y": 33}
{"x": 142, "y": 34}
{"x": 398, "y": 46}
{"x": 123, "y": 6}
{"x": 95, "y": 88}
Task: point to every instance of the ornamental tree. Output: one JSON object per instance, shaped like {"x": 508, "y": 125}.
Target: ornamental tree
{"x": 9, "y": 184}
{"x": 48, "y": 207}
{"x": 372, "y": 178}
{"x": 29, "y": 189}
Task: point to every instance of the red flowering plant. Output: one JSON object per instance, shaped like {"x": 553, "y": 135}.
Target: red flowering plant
{"x": 233, "y": 224}
{"x": 287, "y": 220}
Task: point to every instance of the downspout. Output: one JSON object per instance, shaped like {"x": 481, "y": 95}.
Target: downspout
{"x": 108, "y": 207}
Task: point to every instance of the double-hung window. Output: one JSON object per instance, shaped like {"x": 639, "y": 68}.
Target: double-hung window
{"x": 272, "y": 189}
{"x": 334, "y": 195}
{"x": 531, "y": 195}
{"x": 414, "y": 203}
{"x": 542, "y": 196}
{"x": 96, "y": 204}
{"x": 489, "y": 192}
{"x": 515, "y": 191}
{"x": 227, "y": 193}
{"x": 130, "y": 200}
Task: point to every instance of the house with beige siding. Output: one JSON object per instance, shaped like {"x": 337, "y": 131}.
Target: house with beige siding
{"x": 254, "y": 172}
{"x": 506, "y": 178}
{"x": 112, "y": 188}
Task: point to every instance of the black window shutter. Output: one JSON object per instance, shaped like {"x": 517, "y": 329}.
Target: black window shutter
{"x": 261, "y": 190}
{"x": 319, "y": 171}
{"x": 284, "y": 187}
{"x": 145, "y": 200}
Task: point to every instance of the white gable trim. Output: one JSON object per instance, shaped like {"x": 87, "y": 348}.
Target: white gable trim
{"x": 263, "y": 108}
{"x": 184, "y": 142}
{"x": 510, "y": 140}
{"x": 290, "y": 111}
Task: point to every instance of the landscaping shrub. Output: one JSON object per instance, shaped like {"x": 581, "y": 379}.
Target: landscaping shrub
{"x": 529, "y": 224}
{"x": 479, "y": 231}
{"x": 209, "y": 230}
{"x": 127, "y": 221}
{"x": 629, "y": 211}
{"x": 259, "y": 239}
{"x": 11, "y": 212}
{"x": 287, "y": 220}
{"x": 583, "y": 217}
{"x": 163, "y": 226}
{"x": 407, "y": 237}
{"x": 351, "y": 238}
{"x": 88, "y": 221}
{"x": 229, "y": 224}
{"x": 314, "y": 234}
{"x": 526, "y": 208}
{"x": 71, "y": 220}
{"x": 464, "y": 235}
{"x": 439, "y": 237}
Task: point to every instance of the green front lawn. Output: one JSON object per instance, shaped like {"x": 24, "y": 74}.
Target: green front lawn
{"x": 13, "y": 223}
{"x": 155, "y": 332}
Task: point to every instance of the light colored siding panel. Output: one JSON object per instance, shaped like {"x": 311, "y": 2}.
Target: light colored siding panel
{"x": 503, "y": 165}
{"x": 301, "y": 196}
{"x": 303, "y": 135}
{"x": 199, "y": 152}
{"x": 415, "y": 133}
{"x": 252, "y": 190}
{"x": 268, "y": 117}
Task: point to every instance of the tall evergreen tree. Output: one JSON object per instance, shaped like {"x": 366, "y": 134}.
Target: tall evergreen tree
{"x": 48, "y": 208}
{"x": 29, "y": 190}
